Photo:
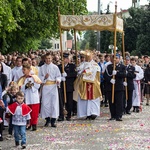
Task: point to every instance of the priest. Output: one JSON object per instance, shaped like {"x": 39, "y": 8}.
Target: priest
{"x": 88, "y": 90}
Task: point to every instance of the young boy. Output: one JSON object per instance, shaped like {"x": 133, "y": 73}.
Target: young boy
{"x": 29, "y": 85}
{"x": 20, "y": 118}
{"x": 10, "y": 97}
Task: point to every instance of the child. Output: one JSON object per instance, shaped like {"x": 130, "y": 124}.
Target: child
{"x": 10, "y": 99}
{"x": 20, "y": 118}
{"x": 29, "y": 85}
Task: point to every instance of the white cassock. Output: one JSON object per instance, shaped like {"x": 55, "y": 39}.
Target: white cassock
{"x": 50, "y": 97}
{"x": 136, "y": 98}
{"x": 88, "y": 107}
{"x": 31, "y": 95}
{"x": 7, "y": 71}
{"x": 16, "y": 73}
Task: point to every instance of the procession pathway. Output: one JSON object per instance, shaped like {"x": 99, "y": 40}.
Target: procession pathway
{"x": 133, "y": 133}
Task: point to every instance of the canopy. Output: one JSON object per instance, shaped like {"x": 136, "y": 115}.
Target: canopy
{"x": 91, "y": 22}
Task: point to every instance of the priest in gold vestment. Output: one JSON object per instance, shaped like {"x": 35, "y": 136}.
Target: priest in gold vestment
{"x": 87, "y": 87}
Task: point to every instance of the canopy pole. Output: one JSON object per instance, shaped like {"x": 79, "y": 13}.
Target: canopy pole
{"x": 123, "y": 50}
{"x": 75, "y": 43}
{"x": 114, "y": 63}
{"x": 62, "y": 59}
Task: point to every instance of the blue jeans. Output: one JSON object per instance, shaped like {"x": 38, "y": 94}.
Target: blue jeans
{"x": 20, "y": 131}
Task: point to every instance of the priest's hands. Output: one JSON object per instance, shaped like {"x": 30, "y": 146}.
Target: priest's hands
{"x": 46, "y": 76}
{"x": 29, "y": 85}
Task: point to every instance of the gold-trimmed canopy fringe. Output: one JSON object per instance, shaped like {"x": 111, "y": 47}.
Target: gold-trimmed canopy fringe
{"x": 91, "y": 22}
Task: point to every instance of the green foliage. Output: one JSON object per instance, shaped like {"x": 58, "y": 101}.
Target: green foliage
{"x": 137, "y": 31}
{"x": 136, "y": 53}
{"x": 45, "y": 44}
{"x": 22, "y": 22}
{"x": 89, "y": 41}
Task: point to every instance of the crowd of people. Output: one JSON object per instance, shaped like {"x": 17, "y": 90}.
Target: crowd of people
{"x": 37, "y": 84}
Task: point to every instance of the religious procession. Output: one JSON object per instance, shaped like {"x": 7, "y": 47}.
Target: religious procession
{"x": 88, "y": 87}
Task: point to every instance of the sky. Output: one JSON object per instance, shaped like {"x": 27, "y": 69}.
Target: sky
{"x": 122, "y": 4}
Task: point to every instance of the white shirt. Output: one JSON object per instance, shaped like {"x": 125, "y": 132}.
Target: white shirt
{"x": 16, "y": 73}
{"x": 52, "y": 70}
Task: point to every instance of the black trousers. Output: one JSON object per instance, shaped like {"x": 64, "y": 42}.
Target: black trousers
{"x": 116, "y": 108}
{"x": 74, "y": 107}
{"x": 10, "y": 128}
{"x": 69, "y": 103}
{"x": 61, "y": 103}
{"x": 129, "y": 101}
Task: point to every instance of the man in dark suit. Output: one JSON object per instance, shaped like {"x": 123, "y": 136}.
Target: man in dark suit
{"x": 130, "y": 74}
{"x": 120, "y": 73}
{"x": 69, "y": 75}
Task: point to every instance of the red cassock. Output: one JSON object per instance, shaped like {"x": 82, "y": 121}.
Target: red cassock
{"x": 25, "y": 109}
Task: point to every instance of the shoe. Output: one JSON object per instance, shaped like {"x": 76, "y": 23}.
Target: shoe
{"x": 123, "y": 113}
{"x": 128, "y": 112}
{"x": 106, "y": 105}
{"x": 23, "y": 146}
{"x": 47, "y": 122}
{"x": 88, "y": 118}
{"x": 118, "y": 119}
{"x": 68, "y": 119}
{"x": 53, "y": 125}
{"x": 28, "y": 128}
{"x": 1, "y": 138}
{"x": 133, "y": 109}
{"x": 112, "y": 119}
{"x": 137, "y": 110}
{"x": 16, "y": 143}
{"x": 60, "y": 119}
{"x": 34, "y": 128}
{"x": 93, "y": 117}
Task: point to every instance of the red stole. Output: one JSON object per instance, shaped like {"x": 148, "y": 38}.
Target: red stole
{"x": 89, "y": 91}
{"x": 25, "y": 109}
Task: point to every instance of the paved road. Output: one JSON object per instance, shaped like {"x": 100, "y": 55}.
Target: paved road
{"x": 131, "y": 134}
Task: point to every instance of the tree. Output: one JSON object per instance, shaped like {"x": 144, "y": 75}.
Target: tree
{"x": 28, "y": 21}
{"x": 137, "y": 31}
{"x": 45, "y": 44}
{"x": 92, "y": 40}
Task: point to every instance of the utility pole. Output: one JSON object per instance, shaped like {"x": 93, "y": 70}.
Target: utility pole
{"x": 98, "y": 32}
